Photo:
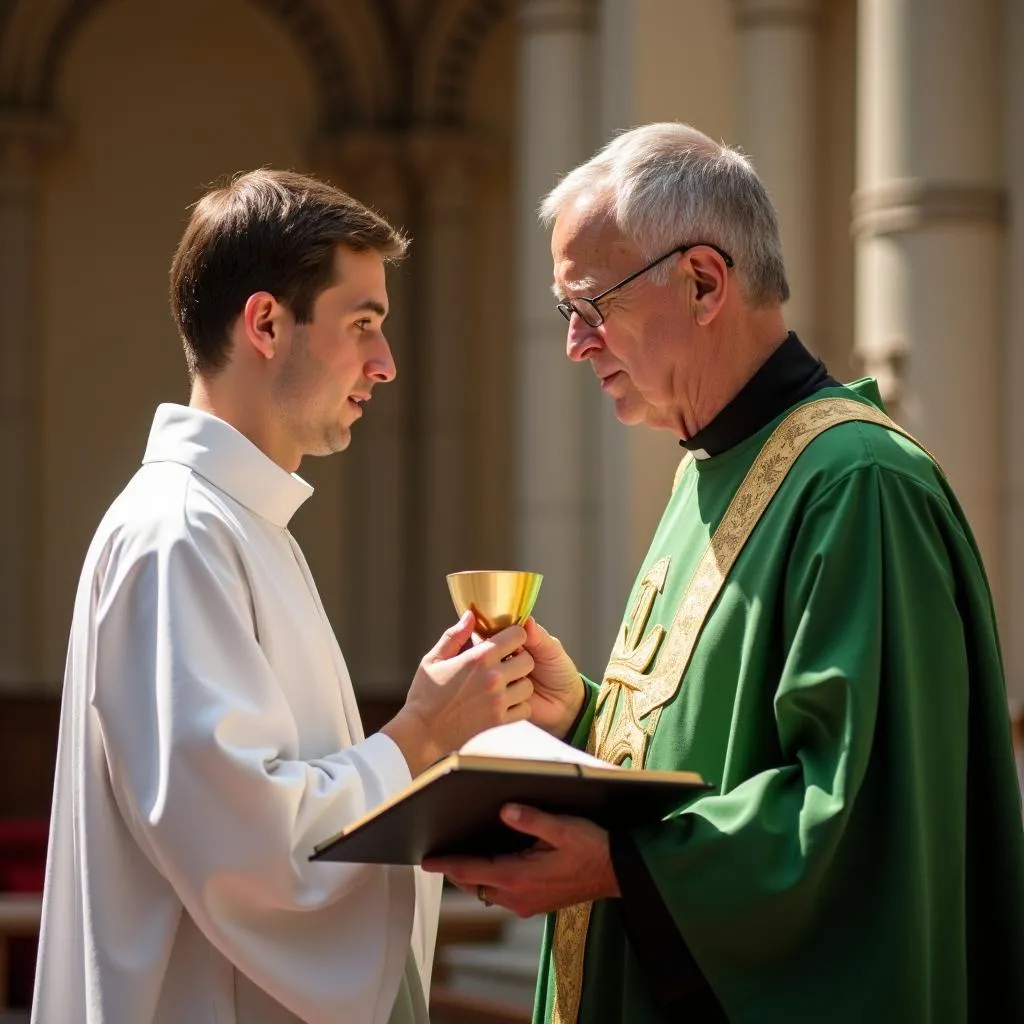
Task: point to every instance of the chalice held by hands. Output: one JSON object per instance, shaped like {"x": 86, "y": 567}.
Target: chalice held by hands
{"x": 498, "y": 598}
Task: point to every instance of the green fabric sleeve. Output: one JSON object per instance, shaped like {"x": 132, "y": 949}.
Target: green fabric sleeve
{"x": 580, "y": 729}
{"x": 869, "y": 716}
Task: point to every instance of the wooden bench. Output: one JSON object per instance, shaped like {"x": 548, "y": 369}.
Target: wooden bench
{"x": 464, "y": 919}
{"x": 447, "y": 1007}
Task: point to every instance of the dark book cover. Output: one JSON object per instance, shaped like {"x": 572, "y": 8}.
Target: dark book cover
{"x": 453, "y": 807}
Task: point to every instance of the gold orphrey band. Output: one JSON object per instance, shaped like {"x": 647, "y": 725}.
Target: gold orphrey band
{"x": 748, "y": 504}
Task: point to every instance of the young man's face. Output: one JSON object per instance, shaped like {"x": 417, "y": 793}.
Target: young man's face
{"x": 333, "y": 363}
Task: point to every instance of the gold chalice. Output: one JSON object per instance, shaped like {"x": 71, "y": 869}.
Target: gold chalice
{"x": 498, "y": 598}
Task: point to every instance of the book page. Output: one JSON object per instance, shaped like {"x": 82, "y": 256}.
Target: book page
{"x": 525, "y": 740}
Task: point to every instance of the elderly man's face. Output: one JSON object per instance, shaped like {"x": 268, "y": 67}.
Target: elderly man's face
{"x": 638, "y": 353}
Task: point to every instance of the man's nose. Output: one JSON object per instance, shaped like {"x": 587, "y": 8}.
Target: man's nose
{"x": 581, "y": 339}
{"x": 382, "y": 367}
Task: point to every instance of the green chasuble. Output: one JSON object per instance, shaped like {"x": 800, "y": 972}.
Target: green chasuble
{"x": 862, "y": 856}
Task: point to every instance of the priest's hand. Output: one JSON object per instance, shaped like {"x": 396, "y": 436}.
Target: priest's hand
{"x": 558, "y": 689}
{"x": 459, "y": 692}
{"x": 570, "y": 863}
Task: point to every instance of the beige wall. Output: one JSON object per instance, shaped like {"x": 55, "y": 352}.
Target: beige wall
{"x": 681, "y": 62}
{"x": 490, "y": 295}
{"x": 461, "y": 286}
{"x": 837, "y": 114}
{"x": 158, "y": 99}
{"x": 113, "y": 203}
{"x": 660, "y": 60}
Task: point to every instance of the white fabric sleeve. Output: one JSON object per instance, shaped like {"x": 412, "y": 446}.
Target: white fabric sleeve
{"x": 193, "y": 724}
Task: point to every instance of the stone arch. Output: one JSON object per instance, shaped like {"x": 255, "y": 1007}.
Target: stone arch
{"x": 449, "y": 56}
{"x": 37, "y": 35}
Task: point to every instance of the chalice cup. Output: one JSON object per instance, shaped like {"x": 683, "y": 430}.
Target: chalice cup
{"x": 498, "y": 598}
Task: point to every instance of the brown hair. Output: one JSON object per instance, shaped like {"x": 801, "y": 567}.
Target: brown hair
{"x": 266, "y": 230}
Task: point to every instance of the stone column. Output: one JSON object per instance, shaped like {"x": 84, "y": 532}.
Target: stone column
{"x": 376, "y": 517}
{"x": 555, "y": 508}
{"x": 444, "y": 477}
{"x": 24, "y": 139}
{"x": 617, "y": 57}
{"x": 778, "y": 116}
{"x": 928, "y": 217}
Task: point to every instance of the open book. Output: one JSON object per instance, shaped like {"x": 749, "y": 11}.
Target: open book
{"x": 453, "y": 807}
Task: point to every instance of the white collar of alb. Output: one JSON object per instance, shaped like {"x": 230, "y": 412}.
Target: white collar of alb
{"x": 227, "y": 459}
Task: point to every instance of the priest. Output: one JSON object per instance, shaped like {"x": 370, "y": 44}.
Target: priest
{"x": 209, "y": 731}
{"x": 811, "y": 630}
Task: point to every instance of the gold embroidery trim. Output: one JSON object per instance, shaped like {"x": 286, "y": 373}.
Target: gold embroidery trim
{"x": 614, "y": 742}
{"x": 681, "y": 469}
{"x": 627, "y": 671}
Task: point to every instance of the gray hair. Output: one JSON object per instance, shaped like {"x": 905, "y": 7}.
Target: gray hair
{"x": 668, "y": 184}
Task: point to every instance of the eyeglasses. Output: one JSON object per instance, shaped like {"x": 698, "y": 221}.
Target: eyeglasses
{"x": 587, "y": 309}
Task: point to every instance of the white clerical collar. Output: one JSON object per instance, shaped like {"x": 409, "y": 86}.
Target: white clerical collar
{"x": 227, "y": 459}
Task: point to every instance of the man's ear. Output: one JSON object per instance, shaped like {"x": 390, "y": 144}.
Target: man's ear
{"x": 711, "y": 281}
{"x": 261, "y": 323}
